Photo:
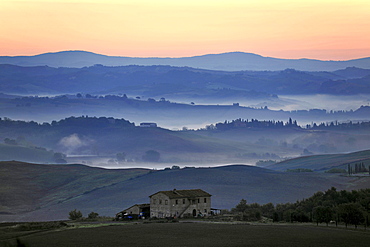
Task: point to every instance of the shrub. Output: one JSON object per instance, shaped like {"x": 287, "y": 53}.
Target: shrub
{"x": 93, "y": 215}
{"x": 336, "y": 170}
{"x": 75, "y": 215}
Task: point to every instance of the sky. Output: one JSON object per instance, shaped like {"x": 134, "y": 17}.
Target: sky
{"x": 317, "y": 29}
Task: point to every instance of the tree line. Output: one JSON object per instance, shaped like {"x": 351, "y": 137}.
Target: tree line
{"x": 272, "y": 124}
{"x": 348, "y": 207}
{"x": 82, "y": 121}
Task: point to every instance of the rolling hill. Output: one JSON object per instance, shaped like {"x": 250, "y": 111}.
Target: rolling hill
{"x": 108, "y": 136}
{"x": 49, "y": 192}
{"x": 180, "y": 82}
{"x": 323, "y": 162}
{"x": 26, "y": 187}
{"x": 232, "y": 61}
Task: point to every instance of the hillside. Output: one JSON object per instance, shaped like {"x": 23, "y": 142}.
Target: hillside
{"x": 165, "y": 113}
{"x": 49, "y": 192}
{"x": 26, "y": 187}
{"x": 323, "y": 162}
{"x": 232, "y": 61}
{"x": 105, "y": 137}
{"x": 24, "y": 153}
{"x": 180, "y": 82}
{"x": 100, "y": 139}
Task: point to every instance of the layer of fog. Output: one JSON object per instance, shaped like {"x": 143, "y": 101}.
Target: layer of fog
{"x": 175, "y": 118}
{"x": 108, "y": 162}
{"x": 290, "y": 102}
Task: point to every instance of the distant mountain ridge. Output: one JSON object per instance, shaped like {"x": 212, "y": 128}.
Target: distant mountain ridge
{"x": 231, "y": 61}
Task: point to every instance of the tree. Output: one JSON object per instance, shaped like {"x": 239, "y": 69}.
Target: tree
{"x": 10, "y": 141}
{"x": 241, "y": 207}
{"x": 151, "y": 156}
{"x": 323, "y": 214}
{"x": 351, "y": 213}
{"x": 93, "y": 215}
{"x": 121, "y": 157}
{"x": 60, "y": 158}
{"x": 275, "y": 217}
{"x": 75, "y": 215}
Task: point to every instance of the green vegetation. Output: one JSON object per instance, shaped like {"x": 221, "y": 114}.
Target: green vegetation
{"x": 263, "y": 163}
{"x": 336, "y": 170}
{"x": 299, "y": 170}
{"x": 28, "y": 187}
{"x": 325, "y": 162}
{"x": 189, "y": 234}
{"x": 329, "y": 206}
{"x": 93, "y": 215}
{"x": 75, "y": 215}
{"x": 357, "y": 168}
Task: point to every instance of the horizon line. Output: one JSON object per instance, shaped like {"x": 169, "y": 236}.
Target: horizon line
{"x": 174, "y": 57}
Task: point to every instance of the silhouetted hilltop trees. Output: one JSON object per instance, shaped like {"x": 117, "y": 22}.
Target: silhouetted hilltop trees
{"x": 254, "y": 123}
{"x": 272, "y": 124}
{"x": 71, "y": 122}
{"x": 341, "y": 126}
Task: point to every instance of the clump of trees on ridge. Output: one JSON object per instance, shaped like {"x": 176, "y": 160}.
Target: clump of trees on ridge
{"x": 272, "y": 124}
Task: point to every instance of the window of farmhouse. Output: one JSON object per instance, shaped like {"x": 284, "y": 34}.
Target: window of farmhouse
{"x": 160, "y": 201}
{"x": 205, "y": 200}
{"x": 198, "y": 200}
{"x": 177, "y": 201}
{"x": 183, "y": 201}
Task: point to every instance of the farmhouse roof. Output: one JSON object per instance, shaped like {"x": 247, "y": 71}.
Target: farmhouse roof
{"x": 184, "y": 193}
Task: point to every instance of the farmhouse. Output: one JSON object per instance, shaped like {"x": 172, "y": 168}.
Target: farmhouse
{"x": 179, "y": 203}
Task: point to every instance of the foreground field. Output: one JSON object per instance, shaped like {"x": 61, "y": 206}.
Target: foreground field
{"x": 195, "y": 234}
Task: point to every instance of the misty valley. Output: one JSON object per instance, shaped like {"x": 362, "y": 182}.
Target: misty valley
{"x": 184, "y": 123}
{"x": 104, "y": 137}
{"x": 101, "y": 141}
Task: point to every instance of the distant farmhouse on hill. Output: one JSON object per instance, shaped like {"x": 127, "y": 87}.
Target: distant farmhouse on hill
{"x": 172, "y": 203}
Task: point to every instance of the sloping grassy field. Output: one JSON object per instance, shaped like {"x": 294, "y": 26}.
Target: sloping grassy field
{"x": 31, "y": 192}
{"x": 323, "y": 162}
{"x": 25, "y": 187}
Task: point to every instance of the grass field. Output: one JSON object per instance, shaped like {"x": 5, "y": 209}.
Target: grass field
{"x": 323, "y": 162}
{"x": 194, "y": 234}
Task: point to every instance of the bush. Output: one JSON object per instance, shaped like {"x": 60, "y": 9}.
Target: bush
{"x": 75, "y": 215}
{"x": 336, "y": 170}
{"x": 93, "y": 215}
{"x": 299, "y": 170}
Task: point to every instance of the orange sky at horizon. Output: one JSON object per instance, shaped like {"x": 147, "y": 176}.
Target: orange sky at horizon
{"x": 325, "y": 29}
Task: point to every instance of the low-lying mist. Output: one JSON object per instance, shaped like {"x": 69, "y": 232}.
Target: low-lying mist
{"x": 289, "y": 102}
